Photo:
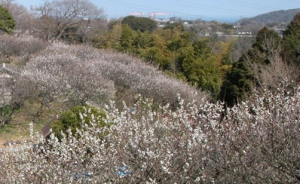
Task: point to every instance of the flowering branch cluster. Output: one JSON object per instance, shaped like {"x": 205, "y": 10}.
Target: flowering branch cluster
{"x": 81, "y": 75}
{"x": 254, "y": 142}
{"x": 23, "y": 46}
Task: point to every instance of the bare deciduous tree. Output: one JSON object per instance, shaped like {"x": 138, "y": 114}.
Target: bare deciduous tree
{"x": 5, "y": 98}
{"x": 63, "y": 14}
{"x": 271, "y": 75}
{"x": 13, "y": 93}
{"x": 6, "y": 3}
{"x": 24, "y": 19}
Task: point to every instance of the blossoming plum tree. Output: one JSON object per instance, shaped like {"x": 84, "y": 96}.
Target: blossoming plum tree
{"x": 256, "y": 141}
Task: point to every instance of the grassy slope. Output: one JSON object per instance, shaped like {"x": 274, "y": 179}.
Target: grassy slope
{"x": 19, "y": 129}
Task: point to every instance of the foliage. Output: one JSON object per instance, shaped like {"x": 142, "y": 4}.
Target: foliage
{"x": 77, "y": 117}
{"x": 67, "y": 74}
{"x": 110, "y": 39}
{"x": 127, "y": 39}
{"x": 5, "y": 114}
{"x": 23, "y": 17}
{"x": 241, "y": 46}
{"x": 242, "y": 79}
{"x": 112, "y": 23}
{"x": 7, "y": 22}
{"x": 177, "y": 25}
{"x": 265, "y": 35}
{"x": 227, "y": 26}
{"x": 291, "y": 41}
{"x": 200, "y": 67}
{"x": 173, "y": 50}
{"x": 140, "y": 23}
{"x": 238, "y": 84}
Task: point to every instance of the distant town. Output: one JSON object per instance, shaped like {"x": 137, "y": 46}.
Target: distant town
{"x": 209, "y": 28}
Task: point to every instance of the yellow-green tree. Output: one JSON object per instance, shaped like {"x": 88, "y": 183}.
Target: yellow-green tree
{"x": 127, "y": 40}
{"x": 201, "y": 68}
{"x": 111, "y": 40}
{"x": 157, "y": 51}
{"x": 178, "y": 52}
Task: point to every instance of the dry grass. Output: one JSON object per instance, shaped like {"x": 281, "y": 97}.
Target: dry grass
{"x": 18, "y": 129}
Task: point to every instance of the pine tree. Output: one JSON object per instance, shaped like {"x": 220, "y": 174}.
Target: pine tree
{"x": 7, "y": 23}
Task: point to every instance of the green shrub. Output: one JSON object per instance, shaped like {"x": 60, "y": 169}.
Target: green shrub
{"x": 76, "y": 117}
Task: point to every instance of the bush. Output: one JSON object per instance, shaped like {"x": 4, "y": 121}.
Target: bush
{"x": 77, "y": 117}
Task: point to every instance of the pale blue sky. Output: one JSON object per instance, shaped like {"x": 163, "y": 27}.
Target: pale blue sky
{"x": 221, "y": 10}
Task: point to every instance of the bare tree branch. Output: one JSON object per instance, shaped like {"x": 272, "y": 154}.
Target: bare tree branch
{"x": 63, "y": 14}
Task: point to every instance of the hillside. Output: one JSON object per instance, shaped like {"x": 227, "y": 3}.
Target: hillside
{"x": 280, "y": 16}
{"x": 57, "y": 76}
{"x": 117, "y": 118}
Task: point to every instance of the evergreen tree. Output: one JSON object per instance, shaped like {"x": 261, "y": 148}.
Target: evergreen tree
{"x": 241, "y": 79}
{"x": 111, "y": 39}
{"x": 179, "y": 53}
{"x": 140, "y": 23}
{"x": 177, "y": 25}
{"x": 267, "y": 43}
{"x": 291, "y": 41}
{"x": 7, "y": 23}
{"x": 143, "y": 40}
{"x": 127, "y": 40}
{"x": 157, "y": 51}
{"x": 238, "y": 84}
{"x": 200, "y": 67}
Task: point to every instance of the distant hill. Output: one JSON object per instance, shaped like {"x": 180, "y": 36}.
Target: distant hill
{"x": 275, "y": 17}
{"x": 276, "y": 20}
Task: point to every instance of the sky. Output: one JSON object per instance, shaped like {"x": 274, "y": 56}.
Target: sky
{"x": 220, "y": 10}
